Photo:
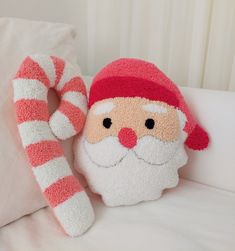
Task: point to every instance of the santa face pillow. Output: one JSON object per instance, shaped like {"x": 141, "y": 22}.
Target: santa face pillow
{"x": 133, "y": 141}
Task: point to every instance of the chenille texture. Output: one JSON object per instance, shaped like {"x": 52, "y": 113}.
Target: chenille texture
{"x": 40, "y": 132}
{"x": 127, "y": 77}
{"x": 133, "y": 141}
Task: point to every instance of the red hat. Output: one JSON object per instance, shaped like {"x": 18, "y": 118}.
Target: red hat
{"x": 128, "y": 77}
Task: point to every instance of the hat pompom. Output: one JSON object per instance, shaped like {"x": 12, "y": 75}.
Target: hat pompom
{"x": 198, "y": 139}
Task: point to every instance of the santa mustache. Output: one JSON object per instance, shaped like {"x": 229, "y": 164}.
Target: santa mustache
{"x": 109, "y": 152}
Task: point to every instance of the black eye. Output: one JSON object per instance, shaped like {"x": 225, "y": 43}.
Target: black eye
{"x": 107, "y": 122}
{"x": 149, "y": 123}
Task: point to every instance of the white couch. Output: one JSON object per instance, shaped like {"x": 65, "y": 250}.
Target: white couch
{"x": 198, "y": 215}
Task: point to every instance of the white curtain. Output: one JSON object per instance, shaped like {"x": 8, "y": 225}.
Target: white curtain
{"x": 193, "y": 41}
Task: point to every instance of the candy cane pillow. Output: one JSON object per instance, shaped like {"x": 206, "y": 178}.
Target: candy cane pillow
{"x": 40, "y": 132}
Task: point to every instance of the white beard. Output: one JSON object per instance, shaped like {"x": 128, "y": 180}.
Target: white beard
{"x": 125, "y": 177}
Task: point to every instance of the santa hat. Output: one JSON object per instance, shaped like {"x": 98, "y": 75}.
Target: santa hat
{"x": 128, "y": 77}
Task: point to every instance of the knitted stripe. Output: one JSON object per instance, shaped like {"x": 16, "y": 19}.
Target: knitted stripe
{"x": 36, "y": 75}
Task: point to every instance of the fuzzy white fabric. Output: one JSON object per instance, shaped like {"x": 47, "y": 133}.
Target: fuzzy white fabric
{"x": 103, "y": 108}
{"x": 34, "y": 90}
{"x": 35, "y": 131}
{"x": 61, "y": 126}
{"x": 76, "y": 214}
{"x": 70, "y": 71}
{"x": 51, "y": 171}
{"x": 47, "y": 66}
{"x": 126, "y": 177}
{"x": 77, "y": 99}
{"x": 154, "y": 108}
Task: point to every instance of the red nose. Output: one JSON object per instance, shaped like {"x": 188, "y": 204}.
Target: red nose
{"x": 127, "y": 137}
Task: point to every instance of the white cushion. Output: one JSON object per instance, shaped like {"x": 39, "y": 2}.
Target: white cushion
{"x": 191, "y": 217}
{"x": 19, "y": 194}
{"x": 215, "y": 111}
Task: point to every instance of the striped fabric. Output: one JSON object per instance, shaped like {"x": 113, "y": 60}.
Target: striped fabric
{"x": 40, "y": 133}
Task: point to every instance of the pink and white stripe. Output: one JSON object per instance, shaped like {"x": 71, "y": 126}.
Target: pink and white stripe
{"x": 39, "y": 132}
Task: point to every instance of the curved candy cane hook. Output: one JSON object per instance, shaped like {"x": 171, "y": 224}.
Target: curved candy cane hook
{"x": 39, "y": 134}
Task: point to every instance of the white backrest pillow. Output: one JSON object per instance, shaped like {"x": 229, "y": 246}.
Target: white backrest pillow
{"x": 216, "y": 165}
{"x": 19, "y": 193}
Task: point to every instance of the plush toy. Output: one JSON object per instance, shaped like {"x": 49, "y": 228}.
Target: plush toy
{"x": 133, "y": 142}
{"x": 39, "y": 133}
